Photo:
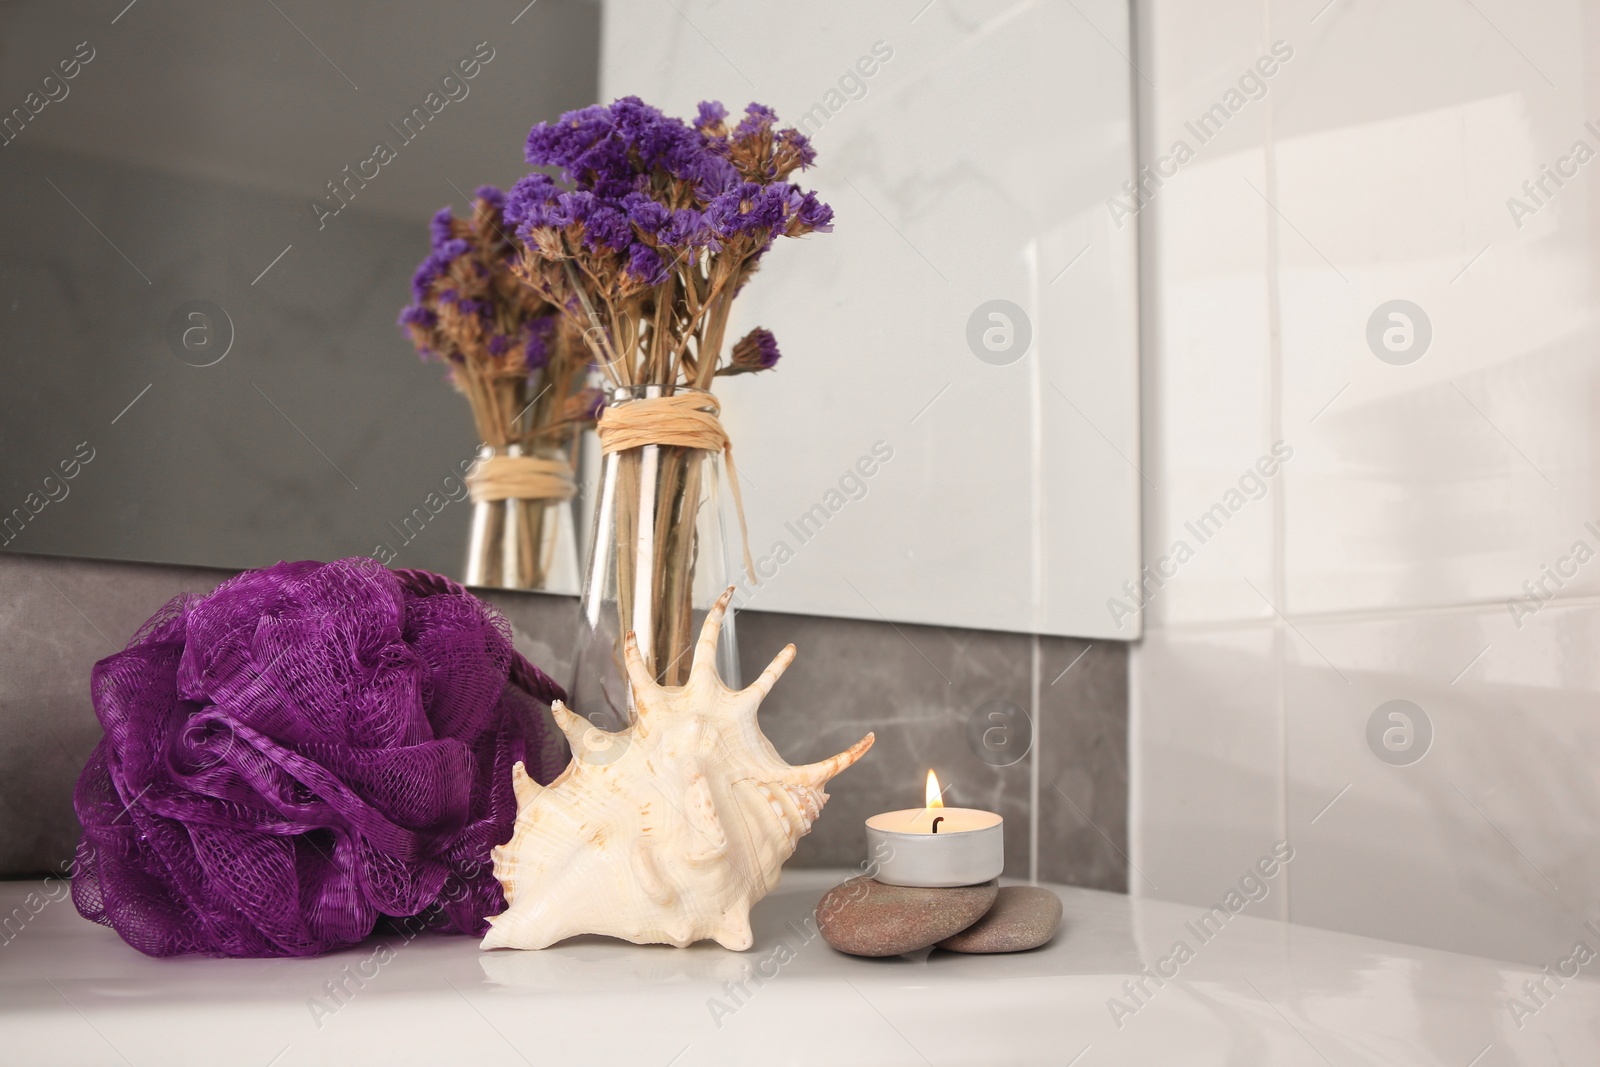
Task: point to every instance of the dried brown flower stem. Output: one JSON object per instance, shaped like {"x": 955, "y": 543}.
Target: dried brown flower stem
{"x": 607, "y": 356}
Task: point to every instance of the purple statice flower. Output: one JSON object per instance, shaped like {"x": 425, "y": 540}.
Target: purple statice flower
{"x": 645, "y": 213}
{"x": 435, "y": 265}
{"x": 417, "y": 315}
{"x": 710, "y": 113}
{"x": 765, "y": 348}
{"x": 606, "y": 169}
{"x": 758, "y": 119}
{"x": 536, "y": 353}
{"x": 585, "y": 405}
{"x": 722, "y": 215}
{"x": 647, "y": 132}
{"x": 470, "y": 308}
{"x": 559, "y": 143}
{"x": 768, "y": 209}
{"x": 811, "y": 212}
{"x": 646, "y": 264}
{"x": 643, "y": 192}
{"x": 418, "y": 321}
{"x": 479, "y": 308}
{"x": 756, "y": 351}
{"x": 529, "y": 200}
{"x": 611, "y": 150}
{"x": 591, "y": 145}
{"x": 799, "y": 144}
{"x": 439, "y": 230}
{"x": 606, "y": 227}
{"x": 751, "y": 208}
{"x": 570, "y": 209}
{"x": 686, "y": 228}
{"x": 711, "y": 174}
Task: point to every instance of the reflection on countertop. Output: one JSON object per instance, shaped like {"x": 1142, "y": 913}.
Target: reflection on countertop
{"x": 1112, "y": 988}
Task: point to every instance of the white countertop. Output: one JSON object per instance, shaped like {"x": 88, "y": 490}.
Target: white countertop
{"x": 1256, "y": 993}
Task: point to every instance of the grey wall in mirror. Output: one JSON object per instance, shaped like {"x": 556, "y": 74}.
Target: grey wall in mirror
{"x": 181, "y": 165}
{"x": 972, "y": 316}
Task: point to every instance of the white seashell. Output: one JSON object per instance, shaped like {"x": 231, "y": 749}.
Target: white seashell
{"x": 666, "y": 832}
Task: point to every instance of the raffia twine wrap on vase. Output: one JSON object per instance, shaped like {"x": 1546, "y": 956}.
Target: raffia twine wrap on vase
{"x": 504, "y": 477}
{"x": 684, "y": 420}
{"x": 522, "y": 535}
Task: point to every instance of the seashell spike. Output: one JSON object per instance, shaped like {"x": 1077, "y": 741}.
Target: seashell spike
{"x": 666, "y": 832}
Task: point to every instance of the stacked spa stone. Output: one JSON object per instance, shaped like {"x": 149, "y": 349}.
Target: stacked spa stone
{"x": 865, "y": 917}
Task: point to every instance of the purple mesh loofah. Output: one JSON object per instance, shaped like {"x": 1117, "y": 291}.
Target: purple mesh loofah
{"x": 308, "y": 748}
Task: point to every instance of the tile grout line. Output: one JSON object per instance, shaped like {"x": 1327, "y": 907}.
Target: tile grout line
{"x": 1036, "y": 548}
{"x": 1362, "y": 615}
{"x": 1135, "y": 779}
{"x": 1143, "y": 114}
{"x": 1033, "y": 765}
{"x": 1275, "y": 421}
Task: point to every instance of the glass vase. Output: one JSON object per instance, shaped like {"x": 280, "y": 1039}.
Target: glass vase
{"x": 663, "y": 551}
{"x": 523, "y": 544}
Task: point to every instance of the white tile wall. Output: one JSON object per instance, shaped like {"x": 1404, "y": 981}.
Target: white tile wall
{"x": 1487, "y": 842}
{"x": 1206, "y": 308}
{"x": 1208, "y": 780}
{"x": 1420, "y": 497}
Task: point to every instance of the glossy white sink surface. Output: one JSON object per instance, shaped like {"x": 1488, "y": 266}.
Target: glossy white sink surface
{"x": 1257, "y": 992}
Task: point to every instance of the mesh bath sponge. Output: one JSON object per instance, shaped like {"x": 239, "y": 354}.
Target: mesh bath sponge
{"x": 306, "y": 749}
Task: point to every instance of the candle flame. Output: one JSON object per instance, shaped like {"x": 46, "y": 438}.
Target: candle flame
{"x": 934, "y": 798}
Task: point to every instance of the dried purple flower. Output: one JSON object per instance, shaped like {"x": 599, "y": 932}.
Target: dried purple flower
{"x": 811, "y": 215}
{"x": 797, "y": 143}
{"x": 436, "y": 264}
{"x": 710, "y": 116}
{"x": 758, "y": 119}
{"x": 529, "y": 198}
{"x": 749, "y": 209}
{"x": 584, "y": 406}
{"x": 416, "y": 315}
{"x": 756, "y": 351}
{"x": 606, "y": 227}
{"x": 645, "y": 213}
{"x": 439, "y": 229}
{"x": 646, "y": 265}
{"x": 497, "y": 335}
{"x": 687, "y": 229}
{"x": 645, "y": 205}
{"x": 541, "y": 340}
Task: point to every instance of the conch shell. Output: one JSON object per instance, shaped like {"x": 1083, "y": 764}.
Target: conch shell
{"x": 668, "y": 831}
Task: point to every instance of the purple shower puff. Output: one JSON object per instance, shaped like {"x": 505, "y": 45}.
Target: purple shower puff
{"x": 303, "y": 751}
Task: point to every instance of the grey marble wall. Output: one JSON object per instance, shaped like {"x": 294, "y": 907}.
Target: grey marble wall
{"x": 1065, "y": 800}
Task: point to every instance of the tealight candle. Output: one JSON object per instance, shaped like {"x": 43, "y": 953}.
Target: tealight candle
{"x": 936, "y": 846}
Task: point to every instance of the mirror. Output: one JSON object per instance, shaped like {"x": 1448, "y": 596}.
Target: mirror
{"x": 189, "y": 302}
{"x": 200, "y": 301}
{"x": 952, "y": 435}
